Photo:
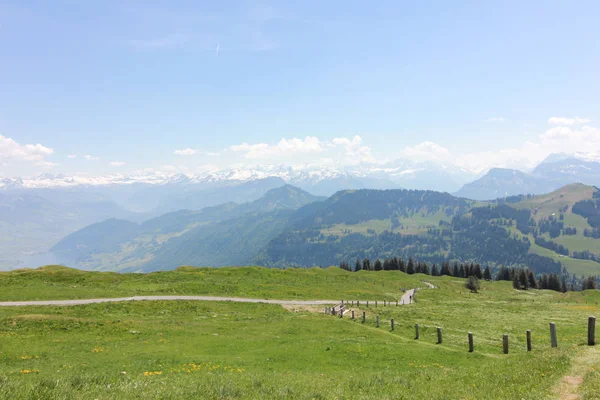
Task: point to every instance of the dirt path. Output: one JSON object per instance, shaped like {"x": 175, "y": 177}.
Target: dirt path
{"x": 407, "y": 297}
{"x": 568, "y": 387}
{"x": 159, "y": 298}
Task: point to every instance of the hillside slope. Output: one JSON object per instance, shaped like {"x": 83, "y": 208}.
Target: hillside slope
{"x": 434, "y": 227}
{"x": 226, "y": 234}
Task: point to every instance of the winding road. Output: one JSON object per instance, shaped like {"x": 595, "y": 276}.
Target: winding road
{"x": 406, "y": 299}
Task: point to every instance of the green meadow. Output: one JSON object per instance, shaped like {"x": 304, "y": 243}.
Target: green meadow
{"x": 225, "y": 350}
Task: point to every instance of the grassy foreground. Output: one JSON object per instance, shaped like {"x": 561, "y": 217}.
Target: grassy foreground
{"x": 173, "y": 350}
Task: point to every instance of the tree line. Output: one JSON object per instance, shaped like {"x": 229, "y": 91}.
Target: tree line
{"x": 522, "y": 278}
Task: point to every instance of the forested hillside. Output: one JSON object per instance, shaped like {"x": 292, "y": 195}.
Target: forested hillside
{"x": 289, "y": 227}
{"x": 545, "y": 233}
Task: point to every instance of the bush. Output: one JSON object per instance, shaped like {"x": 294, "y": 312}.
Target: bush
{"x": 472, "y": 284}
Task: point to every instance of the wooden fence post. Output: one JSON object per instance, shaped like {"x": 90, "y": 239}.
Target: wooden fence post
{"x": 416, "y": 331}
{"x": 352, "y": 314}
{"x": 528, "y": 340}
{"x": 392, "y": 323}
{"x": 505, "y": 343}
{"x": 364, "y": 316}
{"x": 470, "y": 342}
{"x": 358, "y": 303}
{"x": 553, "y": 340}
{"x": 591, "y": 331}
{"x": 378, "y": 320}
{"x": 375, "y": 303}
{"x": 341, "y": 312}
{"x": 367, "y": 303}
{"x": 396, "y": 303}
{"x": 439, "y": 332}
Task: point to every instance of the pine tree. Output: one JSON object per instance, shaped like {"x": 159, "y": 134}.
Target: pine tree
{"x": 455, "y": 271}
{"x": 589, "y": 283}
{"x": 477, "y": 271}
{"x": 532, "y": 281}
{"x": 426, "y": 269}
{"x": 434, "y": 270}
{"x": 516, "y": 283}
{"x": 357, "y": 266}
{"x": 410, "y": 268}
{"x": 378, "y": 266}
{"x": 366, "y": 264}
{"x": 563, "y": 284}
{"x": 386, "y": 265}
{"x": 461, "y": 271}
{"x": 523, "y": 281}
{"x": 487, "y": 274}
{"x": 401, "y": 265}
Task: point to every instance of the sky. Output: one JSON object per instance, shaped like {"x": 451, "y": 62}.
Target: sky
{"x": 106, "y": 86}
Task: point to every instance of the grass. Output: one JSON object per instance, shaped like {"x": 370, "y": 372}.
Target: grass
{"x": 56, "y": 282}
{"x": 180, "y": 349}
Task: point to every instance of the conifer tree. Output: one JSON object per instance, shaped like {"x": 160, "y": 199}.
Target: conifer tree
{"x": 401, "y": 265}
{"x": 516, "y": 283}
{"x": 410, "y": 267}
{"x": 487, "y": 274}
{"x": 455, "y": 271}
{"x": 366, "y": 264}
{"x": 589, "y": 283}
{"x": 477, "y": 271}
{"x": 357, "y": 266}
{"x": 425, "y": 269}
{"x": 532, "y": 281}
{"x": 461, "y": 271}
{"x": 386, "y": 264}
{"x": 523, "y": 281}
{"x": 434, "y": 270}
{"x": 378, "y": 266}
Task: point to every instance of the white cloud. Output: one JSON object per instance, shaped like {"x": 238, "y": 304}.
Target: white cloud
{"x": 354, "y": 149}
{"x": 568, "y": 121}
{"x": 91, "y": 158}
{"x": 116, "y": 163}
{"x": 428, "y": 151}
{"x": 310, "y": 144}
{"x": 72, "y": 156}
{"x": 185, "y": 152}
{"x": 192, "y": 152}
{"x": 495, "y": 119}
{"x": 10, "y": 149}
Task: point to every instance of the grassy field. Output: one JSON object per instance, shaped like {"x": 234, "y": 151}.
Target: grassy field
{"x": 179, "y": 349}
{"x": 56, "y": 282}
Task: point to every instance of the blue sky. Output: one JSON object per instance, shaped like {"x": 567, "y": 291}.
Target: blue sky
{"x": 141, "y": 84}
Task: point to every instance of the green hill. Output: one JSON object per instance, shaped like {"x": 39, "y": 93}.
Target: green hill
{"x": 288, "y": 227}
{"x": 228, "y": 234}
{"x": 434, "y": 227}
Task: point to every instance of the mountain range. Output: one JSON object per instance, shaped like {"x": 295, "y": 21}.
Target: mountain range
{"x": 289, "y": 227}
{"x": 36, "y": 213}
